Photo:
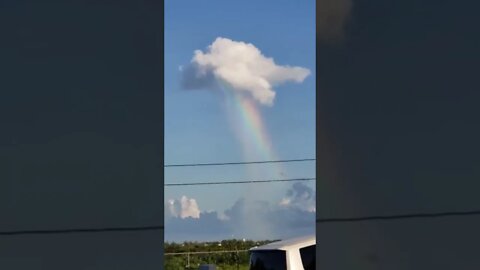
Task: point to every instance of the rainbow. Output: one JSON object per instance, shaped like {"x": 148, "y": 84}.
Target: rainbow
{"x": 249, "y": 127}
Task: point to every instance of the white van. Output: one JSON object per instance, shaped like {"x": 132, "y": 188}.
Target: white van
{"x": 292, "y": 254}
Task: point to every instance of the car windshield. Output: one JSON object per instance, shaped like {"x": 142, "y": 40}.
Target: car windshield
{"x": 308, "y": 257}
{"x": 268, "y": 260}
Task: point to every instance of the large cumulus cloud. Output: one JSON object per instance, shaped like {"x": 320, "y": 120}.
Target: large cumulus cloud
{"x": 240, "y": 66}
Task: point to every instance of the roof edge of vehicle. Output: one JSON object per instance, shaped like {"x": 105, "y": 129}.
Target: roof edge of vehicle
{"x": 297, "y": 242}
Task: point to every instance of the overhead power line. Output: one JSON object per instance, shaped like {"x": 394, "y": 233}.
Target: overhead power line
{"x": 321, "y": 220}
{"x": 240, "y": 182}
{"x": 84, "y": 230}
{"x": 396, "y": 217}
{"x": 239, "y": 163}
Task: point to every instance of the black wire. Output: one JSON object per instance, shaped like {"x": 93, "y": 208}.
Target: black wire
{"x": 325, "y": 220}
{"x": 239, "y": 182}
{"x": 238, "y": 163}
{"x": 84, "y": 230}
{"x": 394, "y": 217}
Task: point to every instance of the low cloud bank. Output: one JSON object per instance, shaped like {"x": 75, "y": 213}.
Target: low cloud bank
{"x": 248, "y": 219}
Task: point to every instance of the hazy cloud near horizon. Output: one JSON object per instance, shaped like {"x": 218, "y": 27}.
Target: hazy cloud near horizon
{"x": 247, "y": 219}
{"x": 242, "y": 68}
{"x": 301, "y": 197}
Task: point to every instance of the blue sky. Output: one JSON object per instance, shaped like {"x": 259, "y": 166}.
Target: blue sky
{"x": 196, "y": 126}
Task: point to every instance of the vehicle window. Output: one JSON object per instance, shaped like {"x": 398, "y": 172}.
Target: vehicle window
{"x": 308, "y": 257}
{"x": 268, "y": 260}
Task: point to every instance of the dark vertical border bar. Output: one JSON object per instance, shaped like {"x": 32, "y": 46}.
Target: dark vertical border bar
{"x": 317, "y": 127}
{"x": 162, "y": 123}
{"x": 54, "y": 55}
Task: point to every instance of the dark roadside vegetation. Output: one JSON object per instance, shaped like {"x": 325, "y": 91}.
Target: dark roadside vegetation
{"x": 236, "y": 260}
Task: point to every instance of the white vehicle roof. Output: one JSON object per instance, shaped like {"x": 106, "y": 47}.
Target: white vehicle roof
{"x": 292, "y": 243}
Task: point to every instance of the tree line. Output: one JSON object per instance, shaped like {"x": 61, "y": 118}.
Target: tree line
{"x": 224, "y": 261}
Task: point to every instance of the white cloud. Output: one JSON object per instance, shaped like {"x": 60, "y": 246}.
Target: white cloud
{"x": 285, "y": 202}
{"x": 183, "y": 208}
{"x": 242, "y": 67}
{"x": 301, "y": 197}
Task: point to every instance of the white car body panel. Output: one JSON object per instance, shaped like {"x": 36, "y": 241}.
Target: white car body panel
{"x": 292, "y": 249}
